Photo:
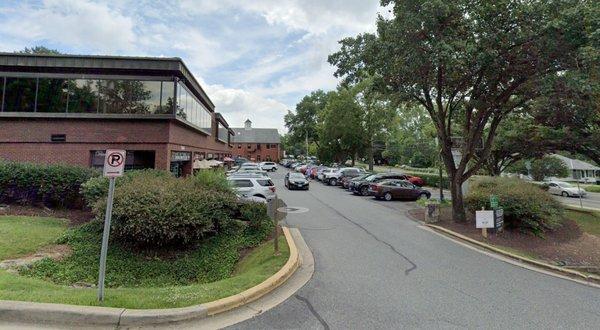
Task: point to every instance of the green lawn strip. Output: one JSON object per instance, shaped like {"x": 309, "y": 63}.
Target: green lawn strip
{"x": 591, "y": 188}
{"x": 20, "y": 235}
{"x": 252, "y": 270}
{"x": 588, "y": 221}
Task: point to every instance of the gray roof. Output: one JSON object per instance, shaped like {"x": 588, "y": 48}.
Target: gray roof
{"x": 576, "y": 164}
{"x": 255, "y": 135}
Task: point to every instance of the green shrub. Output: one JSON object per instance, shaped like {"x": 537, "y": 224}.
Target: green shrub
{"x": 158, "y": 211}
{"x": 526, "y": 206}
{"x": 212, "y": 179}
{"x": 97, "y": 187}
{"x": 51, "y": 185}
{"x": 260, "y": 226}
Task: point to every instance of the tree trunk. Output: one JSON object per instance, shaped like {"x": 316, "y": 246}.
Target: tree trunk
{"x": 370, "y": 155}
{"x": 458, "y": 207}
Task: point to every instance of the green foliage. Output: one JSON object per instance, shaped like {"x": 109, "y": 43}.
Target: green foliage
{"x": 546, "y": 167}
{"x": 152, "y": 210}
{"x": 303, "y": 123}
{"x": 432, "y": 179}
{"x": 51, "y": 185}
{"x": 210, "y": 260}
{"x": 526, "y": 206}
{"x": 97, "y": 187}
{"x": 260, "y": 226}
{"x": 212, "y": 179}
{"x": 21, "y": 235}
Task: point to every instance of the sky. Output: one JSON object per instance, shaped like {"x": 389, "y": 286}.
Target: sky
{"x": 256, "y": 59}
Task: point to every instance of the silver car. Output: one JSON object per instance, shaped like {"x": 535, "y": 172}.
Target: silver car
{"x": 565, "y": 189}
{"x": 253, "y": 186}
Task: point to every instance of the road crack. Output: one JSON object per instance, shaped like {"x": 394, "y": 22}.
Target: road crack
{"x": 313, "y": 311}
{"x": 413, "y": 265}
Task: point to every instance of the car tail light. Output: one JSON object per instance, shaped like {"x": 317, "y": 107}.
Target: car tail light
{"x": 272, "y": 188}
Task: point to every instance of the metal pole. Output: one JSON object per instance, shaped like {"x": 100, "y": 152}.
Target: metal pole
{"x": 272, "y": 204}
{"x": 105, "y": 234}
{"x": 579, "y": 193}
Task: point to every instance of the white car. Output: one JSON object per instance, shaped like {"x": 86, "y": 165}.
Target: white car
{"x": 253, "y": 186}
{"x": 588, "y": 180}
{"x": 565, "y": 189}
{"x": 268, "y": 166}
{"x": 321, "y": 174}
{"x": 332, "y": 178}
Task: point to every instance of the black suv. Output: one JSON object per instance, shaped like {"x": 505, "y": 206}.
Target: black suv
{"x": 362, "y": 187}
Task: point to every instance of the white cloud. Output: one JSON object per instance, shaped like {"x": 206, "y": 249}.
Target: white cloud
{"x": 237, "y": 105}
{"x": 79, "y": 24}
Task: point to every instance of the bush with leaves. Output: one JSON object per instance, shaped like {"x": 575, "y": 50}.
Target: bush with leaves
{"x": 526, "y": 206}
{"x": 50, "y": 185}
{"x": 97, "y": 187}
{"x": 260, "y": 226}
{"x": 212, "y": 179}
{"x": 161, "y": 211}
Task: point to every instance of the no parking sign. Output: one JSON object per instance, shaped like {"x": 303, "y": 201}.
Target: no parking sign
{"x": 114, "y": 163}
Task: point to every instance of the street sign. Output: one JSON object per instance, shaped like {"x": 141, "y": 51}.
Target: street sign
{"x": 498, "y": 218}
{"x": 484, "y": 219}
{"x": 114, "y": 163}
{"x": 493, "y": 201}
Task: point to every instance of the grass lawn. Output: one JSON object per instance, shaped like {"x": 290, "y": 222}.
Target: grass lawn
{"x": 20, "y": 235}
{"x": 587, "y": 221}
{"x": 252, "y": 270}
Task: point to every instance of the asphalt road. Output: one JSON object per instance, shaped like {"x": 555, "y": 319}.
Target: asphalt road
{"x": 375, "y": 268}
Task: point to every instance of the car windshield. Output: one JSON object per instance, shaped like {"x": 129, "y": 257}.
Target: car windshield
{"x": 296, "y": 176}
{"x": 564, "y": 185}
{"x": 371, "y": 177}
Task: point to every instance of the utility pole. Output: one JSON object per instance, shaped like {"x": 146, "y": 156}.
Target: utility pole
{"x": 306, "y": 135}
{"x": 437, "y": 142}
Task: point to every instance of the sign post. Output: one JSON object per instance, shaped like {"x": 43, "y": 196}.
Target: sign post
{"x": 493, "y": 202}
{"x": 114, "y": 164}
{"x": 484, "y": 220}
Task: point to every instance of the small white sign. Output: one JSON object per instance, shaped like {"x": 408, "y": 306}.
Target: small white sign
{"x": 114, "y": 163}
{"x": 484, "y": 219}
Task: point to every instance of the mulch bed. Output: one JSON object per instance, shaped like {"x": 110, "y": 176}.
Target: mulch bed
{"x": 566, "y": 246}
{"x": 75, "y": 217}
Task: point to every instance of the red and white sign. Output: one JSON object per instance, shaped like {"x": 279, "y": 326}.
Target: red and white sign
{"x": 114, "y": 163}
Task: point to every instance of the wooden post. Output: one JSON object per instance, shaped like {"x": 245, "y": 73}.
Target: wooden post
{"x": 484, "y": 232}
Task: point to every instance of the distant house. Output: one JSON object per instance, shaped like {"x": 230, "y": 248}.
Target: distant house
{"x": 579, "y": 169}
{"x": 256, "y": 144}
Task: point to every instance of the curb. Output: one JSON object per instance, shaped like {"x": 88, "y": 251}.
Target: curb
{"x": 31, "y": 312}
{"x": 580, "y": 209}
{"x": 589, "y": 278}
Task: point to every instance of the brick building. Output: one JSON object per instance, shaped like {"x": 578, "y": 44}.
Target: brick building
{"x": 256, "y": 144}
{"x": 70, "y": 109}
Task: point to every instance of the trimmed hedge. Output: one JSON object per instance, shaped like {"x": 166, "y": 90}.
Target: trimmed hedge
{"x": 526, "y": 206}
{"x": 50, "y": 185}
{"x": 160, "y": 211}
{"x": 432, "y": 180}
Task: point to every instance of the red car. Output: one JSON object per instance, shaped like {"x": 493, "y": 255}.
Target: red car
{"x": 397, "y": 189}
{"x": 417, "y": 181}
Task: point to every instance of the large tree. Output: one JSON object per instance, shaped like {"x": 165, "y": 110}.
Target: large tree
{"x": 468, "y": 63}
{"x": 303, "y": 123}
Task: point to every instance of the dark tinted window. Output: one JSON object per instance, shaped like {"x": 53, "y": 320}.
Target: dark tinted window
{"x": 242, "y": 183}
{"x": 52, "y": 95}
{"x": 265, "y": 183}
{"x": 20, "y": 94}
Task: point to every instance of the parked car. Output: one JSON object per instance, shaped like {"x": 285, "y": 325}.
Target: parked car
{"x": 361, "y": 187}
{"x": 294, "y": 180}
{"x": 239, "y": 161}
{"x": 348, "y": 174}
{"x": 565, "y": 189}
{"x": 268, "y": 166}
{"x": 321, "y": 173}
{"x": 257, "y": 186}
{"x": 248, "y": 173}
{"x": 588, "y": 180}
{"x": 417, "y": 181}
{"x": 347, "y": 181}
{"x": 397, "y": 189}
{"x": 333, "y": 178}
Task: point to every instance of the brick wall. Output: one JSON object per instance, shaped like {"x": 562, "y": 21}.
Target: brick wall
{"x": 253, "y": 152}
{"x": 28, "y": 140}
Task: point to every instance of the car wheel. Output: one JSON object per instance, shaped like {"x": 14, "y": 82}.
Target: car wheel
{"x": 387, "y": 196}
{"x": 364, "y": 191}
{"x": 564, "y": 194}
{"x": 423, "y": 195}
